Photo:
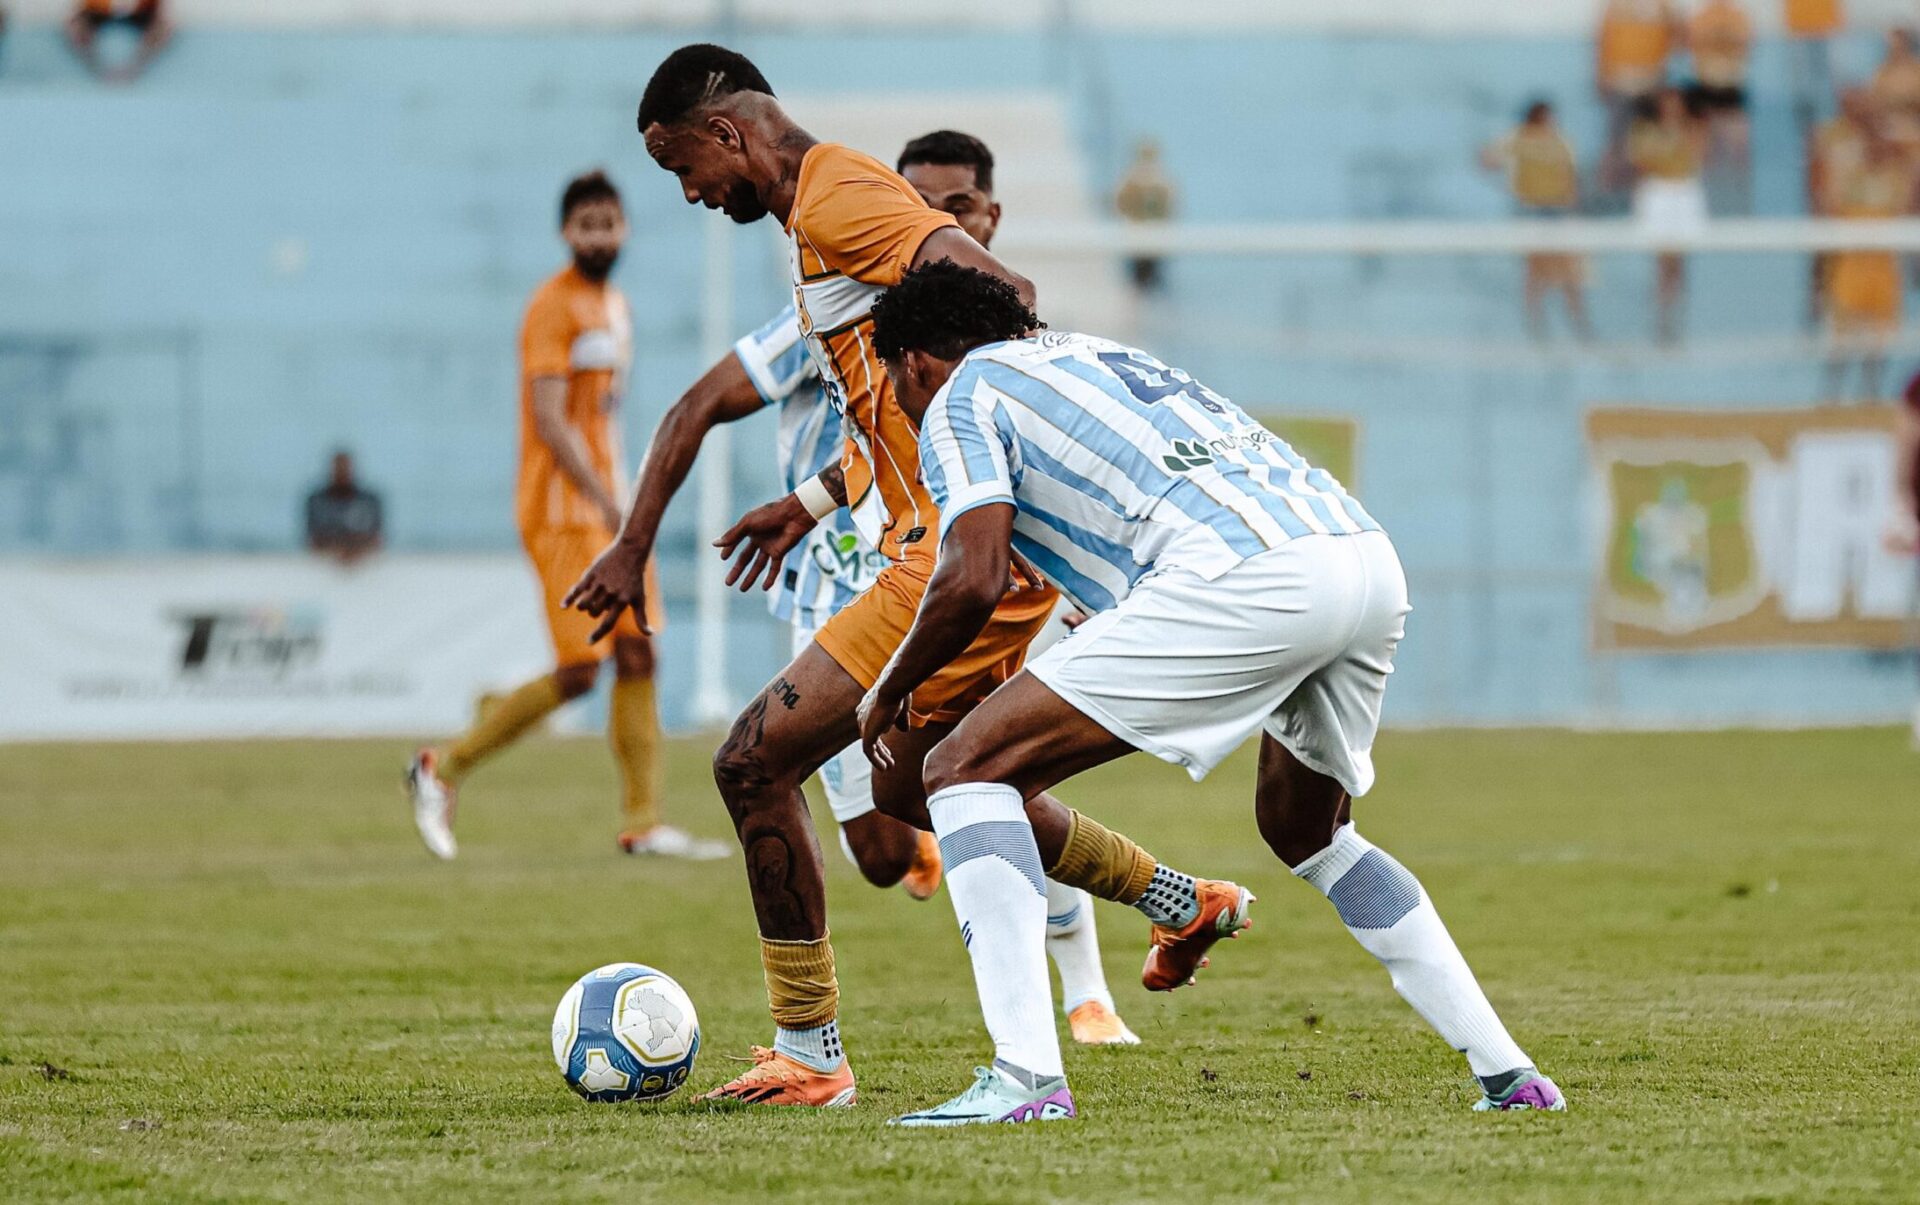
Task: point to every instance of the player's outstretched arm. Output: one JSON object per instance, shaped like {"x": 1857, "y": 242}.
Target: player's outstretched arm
{"x": 951, "y": 242}
{"x": 766, "y": 534}
{"x": 971, "y": 579}
{"x": 616, "y": 581}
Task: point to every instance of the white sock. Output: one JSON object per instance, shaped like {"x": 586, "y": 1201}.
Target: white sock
{"x": 994, "y": 878}
{"x": 1388, "y": 913}
{"x": 819, "y": 1047}
{"x": 1075, "y": 947}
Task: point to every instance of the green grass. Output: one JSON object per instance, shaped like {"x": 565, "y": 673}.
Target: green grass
{"x": 254, "y": 984}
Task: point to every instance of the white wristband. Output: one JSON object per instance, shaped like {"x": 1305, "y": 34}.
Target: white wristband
{"x": 815, "y": 498}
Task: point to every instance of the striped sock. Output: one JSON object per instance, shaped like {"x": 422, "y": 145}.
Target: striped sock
{"x": 1389, "y": 914}
{"x": 999, "y": 896}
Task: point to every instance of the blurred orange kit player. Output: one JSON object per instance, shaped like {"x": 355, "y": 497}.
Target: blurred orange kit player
{"x": 576, "y": 346}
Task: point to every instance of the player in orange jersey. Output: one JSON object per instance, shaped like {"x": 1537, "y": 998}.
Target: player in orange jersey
{"x": 769, "y": 369}
{"x": 575, "y": 348}
{"x": 855, "y": 228}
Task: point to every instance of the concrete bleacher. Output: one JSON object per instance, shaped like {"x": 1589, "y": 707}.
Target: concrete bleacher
{"x": 279, "y": 241}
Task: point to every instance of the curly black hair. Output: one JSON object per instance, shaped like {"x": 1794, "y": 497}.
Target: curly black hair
{"x": 947, "y": 310}
{"x": 690, "y": 77}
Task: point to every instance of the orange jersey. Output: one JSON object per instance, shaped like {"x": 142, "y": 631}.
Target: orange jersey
{"x": 855, "y": 228}
{"x": 1813, "y": 18}
{"x": 581, "y": 331}
{"x": 1636, "y": 36}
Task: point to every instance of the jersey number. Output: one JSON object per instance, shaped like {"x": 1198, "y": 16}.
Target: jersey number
{"x": 1152, "y": 382}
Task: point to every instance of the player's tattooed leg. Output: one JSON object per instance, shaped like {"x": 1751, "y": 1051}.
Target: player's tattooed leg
{"x": 784, "y": 735}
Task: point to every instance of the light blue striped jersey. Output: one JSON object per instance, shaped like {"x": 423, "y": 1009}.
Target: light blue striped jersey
{"x": 835, "y": 562}
{"x": 1117, "y": 464}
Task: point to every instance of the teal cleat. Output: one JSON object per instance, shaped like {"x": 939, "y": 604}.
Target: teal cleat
{"x": 997, "y": 1096}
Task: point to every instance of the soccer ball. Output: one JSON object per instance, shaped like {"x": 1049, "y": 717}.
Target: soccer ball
{"x": 625, "y": 1032}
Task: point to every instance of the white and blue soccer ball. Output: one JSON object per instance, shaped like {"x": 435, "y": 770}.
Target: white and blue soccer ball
{"x": 625, "y": 1032}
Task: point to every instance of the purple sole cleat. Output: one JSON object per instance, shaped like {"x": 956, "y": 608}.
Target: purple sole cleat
{"x": 1056, "y": 1107}
{"x": 1537, "y": 1093}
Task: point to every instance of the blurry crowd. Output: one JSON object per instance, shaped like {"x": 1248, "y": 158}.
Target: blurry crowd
{"x": 1675, "y": 87}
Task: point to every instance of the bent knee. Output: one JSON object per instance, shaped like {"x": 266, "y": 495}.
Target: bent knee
{"x": 953, "y": 762}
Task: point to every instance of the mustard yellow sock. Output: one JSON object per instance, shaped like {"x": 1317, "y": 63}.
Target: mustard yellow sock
{"x": 802, "y": 990}
{"x": 508, "y": 720}
{"x": 633, "y": 728}
{"x": 1103, "y": 863}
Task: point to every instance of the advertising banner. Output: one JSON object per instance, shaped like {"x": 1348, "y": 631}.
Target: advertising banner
{"x": 260, "y": 646}
{"x": 1747, "y": 529}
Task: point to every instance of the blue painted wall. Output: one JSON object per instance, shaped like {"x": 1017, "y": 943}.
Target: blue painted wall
{"x": 279, "y": 243}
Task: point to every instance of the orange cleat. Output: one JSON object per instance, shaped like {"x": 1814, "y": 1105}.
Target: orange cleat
{"x": 1094, "y": 1024}
{"x": 1178, "y": 953}
{"x": 923, "y": 877}
{"x": 775, "y": 1079}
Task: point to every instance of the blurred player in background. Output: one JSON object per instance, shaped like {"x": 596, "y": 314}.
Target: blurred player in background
{"x": 1234, "y": 589}
{"x": 576, "y": 347}
{"x": 710, "y": 119}
{"x": 953, "y": 173}
{"x": 1545, "y": 181}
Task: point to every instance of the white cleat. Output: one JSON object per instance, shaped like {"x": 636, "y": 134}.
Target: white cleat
{"x": 666, "y": 841}
{"x": 433, "y": 802}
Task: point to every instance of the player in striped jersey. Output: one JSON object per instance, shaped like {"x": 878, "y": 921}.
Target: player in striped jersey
{"x": 854, "y": 227}
{"x": 1234, "y": 589}
{"x": 953, "y": 174}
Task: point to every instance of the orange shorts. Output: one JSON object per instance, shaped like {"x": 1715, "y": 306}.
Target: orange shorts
{"x": 560, "y": 555}
{"x": 864, "y": 635}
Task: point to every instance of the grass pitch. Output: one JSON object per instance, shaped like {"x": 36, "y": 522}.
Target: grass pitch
{"x": 229, "y": 971}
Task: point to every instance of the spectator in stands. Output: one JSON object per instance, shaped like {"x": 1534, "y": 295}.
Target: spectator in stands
{"x": 1545, "y": 181}
{"x": 344, "y": 519}
{"x": 1810, "y": 26}
{"x": 1863, "y": 287}
{"x": 1636, "y": 39}
{"x": 1720, "y": 41}
{"x": 1838, "y": 150}
{"x": 1146, "y": 195}
{"x": 148, "y": 17}
{"x": 1666, "y": 149}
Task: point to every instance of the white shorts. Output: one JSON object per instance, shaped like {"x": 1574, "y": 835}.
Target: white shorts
{"x": 1297, "y": 642}
{"x": 1671, "y": 208}
{"x": 847, "y": 776}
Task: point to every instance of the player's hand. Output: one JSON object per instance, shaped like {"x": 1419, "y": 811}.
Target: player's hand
{"x": 878, "y": 714}
{"x": 765, "y": 535}
{"x": 1074, "y": 619}
{"x": 615, "y": 582}
{"x": 1023, "y": 574}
